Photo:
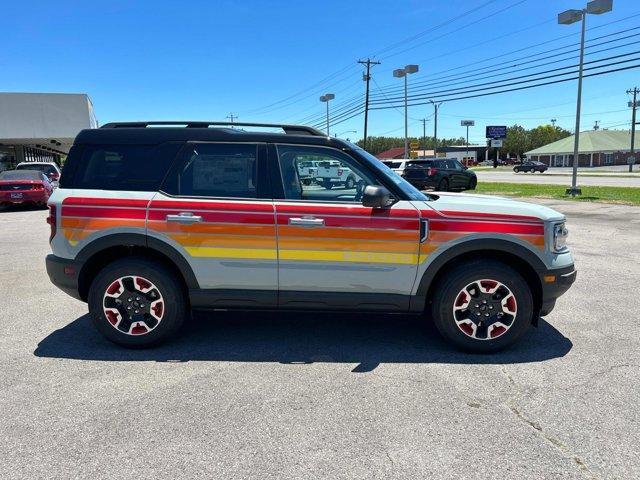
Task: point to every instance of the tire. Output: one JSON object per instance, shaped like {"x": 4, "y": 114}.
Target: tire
{"x": 327, "y": 184}
{"x": 470, "y": 335}
{"x": 473, "y": 183}
{"x": 517, "y": 170}
{"x": 443, "y": 185}
{"x": 127, "y": 283}
{"x": 350, "y": 183}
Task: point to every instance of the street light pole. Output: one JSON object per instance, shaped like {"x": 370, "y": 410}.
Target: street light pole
{"x": 633, "y": 105}
{"x": 436, "y": 106}
{"x": 595, "y": 7}
{"x": 402, "y": 73}
{"x": 326, "y": 98}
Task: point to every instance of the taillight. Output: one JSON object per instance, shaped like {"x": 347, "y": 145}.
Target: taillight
{"x": 52, "y": 221}
{"x": 37, "y": 186}
{"x": 339, "y": 172}
{"x": 432, "y": 171}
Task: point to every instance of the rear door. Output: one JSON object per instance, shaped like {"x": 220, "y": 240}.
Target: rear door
{"x": 334, "y": 252}
{"x": 215, "y": 208}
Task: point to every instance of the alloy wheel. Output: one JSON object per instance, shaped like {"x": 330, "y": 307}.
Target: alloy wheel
{"x": 133, "y": 305}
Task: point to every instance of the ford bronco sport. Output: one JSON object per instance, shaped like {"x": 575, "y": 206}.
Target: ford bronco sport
{"x": 153, "y": 219}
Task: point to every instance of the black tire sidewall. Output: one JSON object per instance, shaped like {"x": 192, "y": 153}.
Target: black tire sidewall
{"x": 461, "y": 276}
{"x": 444, "y": 183}
{"x": 170, "y": 289}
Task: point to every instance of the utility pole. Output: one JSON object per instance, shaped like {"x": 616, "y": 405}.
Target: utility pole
{"x": 424, "y": 135}
{"x": 366, "y": 77}
{"x": 596, "y": 126}
{"x": 436, "y": 107}
{"x": 553, "y": 122}
{"x": 232, "y": 117}
{"x": 634, "y": 106}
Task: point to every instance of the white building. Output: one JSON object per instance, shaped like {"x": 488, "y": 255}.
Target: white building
{"x": 41, "y": 126}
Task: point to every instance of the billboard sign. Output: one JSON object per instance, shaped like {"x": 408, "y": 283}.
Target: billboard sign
{"x": 496, "y": 132}
{"x": 496, "y": 143}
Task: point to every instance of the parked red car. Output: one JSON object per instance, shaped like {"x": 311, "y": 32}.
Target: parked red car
{"x": 24, "y": 187}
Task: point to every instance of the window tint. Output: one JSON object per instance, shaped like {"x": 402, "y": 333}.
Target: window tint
{"x": 335, "y": 176}
{"x": 457, "y": 165}
{"x": 216, "y": 170}
{"x": 122, "y": 167}
{"x": 392, "y": 164}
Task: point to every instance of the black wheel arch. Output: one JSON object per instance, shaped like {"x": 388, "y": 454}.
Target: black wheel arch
{"x": 104, "y": 250}
{"x": 526, "y": 262}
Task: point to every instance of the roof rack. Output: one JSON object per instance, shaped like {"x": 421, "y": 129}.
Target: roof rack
{"x": 288, "y": 129}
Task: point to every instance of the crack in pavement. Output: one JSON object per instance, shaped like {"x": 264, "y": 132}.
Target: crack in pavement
{"x": 555, "y": 442}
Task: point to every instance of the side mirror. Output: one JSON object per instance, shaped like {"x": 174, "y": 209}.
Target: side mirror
{"x": 376, "y": 196}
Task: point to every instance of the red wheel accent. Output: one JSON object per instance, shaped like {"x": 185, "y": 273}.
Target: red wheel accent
{"x": 139, "y": 330}
{"x": 142, "y": 283}
{"x": 466, "y": 328}
{"x": 462, "y": 299}
{"x": 497, "y": 331}
{"x": 511, "y": 303}
{"x": 114, "y": 287}
{"x": 157, "y": 309}
{"x": 488, "y": 284}
{"x": 112, "y": 317}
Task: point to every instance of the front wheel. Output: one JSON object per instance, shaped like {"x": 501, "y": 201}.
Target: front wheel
{"x": 482, "y": 306}
{"x": 135, "y": 302}
{"x": 517, "y": 170}
{"x": 473, "y": 183}
{"x": 443, "y": 186}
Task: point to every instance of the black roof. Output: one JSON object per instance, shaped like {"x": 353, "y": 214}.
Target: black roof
{"x": 151, "y": 133}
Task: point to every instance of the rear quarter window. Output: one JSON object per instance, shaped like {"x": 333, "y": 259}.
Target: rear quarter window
{"x": 119, "y": 167}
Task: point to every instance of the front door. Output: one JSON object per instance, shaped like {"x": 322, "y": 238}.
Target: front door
{"x": 333, "y": 252}
{"x": 216, "y": 210}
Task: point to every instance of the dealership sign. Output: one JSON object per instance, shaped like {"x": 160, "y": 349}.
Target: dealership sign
{"x": 496, "y": 132}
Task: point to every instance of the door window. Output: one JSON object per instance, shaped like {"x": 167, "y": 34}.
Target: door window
{"x": 321, "y": 174}
{"x": 216, "y": 170}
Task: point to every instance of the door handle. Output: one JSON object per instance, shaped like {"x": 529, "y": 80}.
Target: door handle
{"x": 184, "y": 217}
{"x": 307, "y": 222}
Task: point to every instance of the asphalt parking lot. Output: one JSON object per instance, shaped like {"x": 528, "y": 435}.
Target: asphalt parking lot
{"x": 255, "y": 395}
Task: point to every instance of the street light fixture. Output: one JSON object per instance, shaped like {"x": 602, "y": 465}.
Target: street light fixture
{"x": 595, "y": 7}
{"x": 346, "y": 131}
{"x": 326, "y": 98}
{"x": 403, "y": 73}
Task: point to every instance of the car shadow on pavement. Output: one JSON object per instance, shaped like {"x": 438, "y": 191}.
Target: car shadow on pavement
{"x": 292, "y": 338}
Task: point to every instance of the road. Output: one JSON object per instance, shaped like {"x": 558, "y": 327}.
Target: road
{"x": 555, "y": 179}
{"x": 291, "y": 396}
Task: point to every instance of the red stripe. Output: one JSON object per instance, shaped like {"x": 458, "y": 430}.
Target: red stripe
{"x": 103, "y": 212}
{"x": 493, "y": 227}
{"x": 105, "y": 202}
{"x": 355, "y": 210}
{"x": 365, "y": 222}
{"x": 212, "y": 205}
{"x": 494, "y": 216}
{"x": 219, "y": 217}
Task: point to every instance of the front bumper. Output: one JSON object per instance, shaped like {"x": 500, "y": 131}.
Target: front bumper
{"x": 555, "y": 282}
{"x": 64, "y": 274}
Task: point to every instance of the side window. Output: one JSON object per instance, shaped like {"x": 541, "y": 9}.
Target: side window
{"x": 321, "y": 174}
{"x": 457, "y": 165}
{"x": 123, "y": 167}
{"x": 216, "y": 170}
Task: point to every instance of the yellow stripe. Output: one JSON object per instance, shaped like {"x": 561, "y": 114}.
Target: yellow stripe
{"x": 244, "y": 253}
{"x": 360, "y": 257}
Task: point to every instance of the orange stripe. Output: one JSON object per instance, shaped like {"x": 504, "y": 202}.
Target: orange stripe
{"x": 359, "y": 233}
{"x": 226, "y": 241}
{"x": 99, "y": 223}
{"x": 347, "y": 245}
{"x": 229, "y": 229}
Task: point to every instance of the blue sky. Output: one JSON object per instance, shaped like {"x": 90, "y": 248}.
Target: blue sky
{"x": 270, "y": 60}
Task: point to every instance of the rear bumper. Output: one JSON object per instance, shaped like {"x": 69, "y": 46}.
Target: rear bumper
{"x": 64, "y": 274}
{"x": 554, "y": 284}
{"x": 26, "y": 197}
{"x": 422, "y": 184}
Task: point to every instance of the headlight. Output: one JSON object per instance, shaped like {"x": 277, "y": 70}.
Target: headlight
{"x": 560, "y": 234}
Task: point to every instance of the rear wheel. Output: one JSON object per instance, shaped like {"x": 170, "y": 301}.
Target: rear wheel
{"x": 326, "y": 183}
{"x": 135, "y": 302}
{"x": 443, "y": 185}
{"x": 482, "y": 306}
{"x": 517, "y": 170}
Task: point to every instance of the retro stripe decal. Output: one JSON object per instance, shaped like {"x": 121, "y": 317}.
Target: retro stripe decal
{"x": 248, "y": 230}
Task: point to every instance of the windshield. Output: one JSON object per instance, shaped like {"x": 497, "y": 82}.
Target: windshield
{"x": 20, "y": 175}
{"x": 412, "y": 192}
{"x": 43, "y": 167}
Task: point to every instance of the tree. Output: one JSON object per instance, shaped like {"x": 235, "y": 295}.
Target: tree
{"x": 520, "y": 140}
{"x": 376, "y": 145}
